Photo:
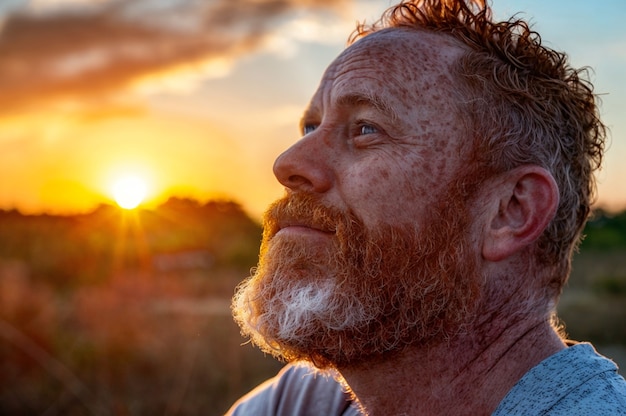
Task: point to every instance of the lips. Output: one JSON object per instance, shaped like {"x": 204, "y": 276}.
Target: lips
{"x": 302, "y": 227}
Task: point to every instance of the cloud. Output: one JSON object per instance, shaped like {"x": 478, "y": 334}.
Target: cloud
{"x": 86, "y": 50}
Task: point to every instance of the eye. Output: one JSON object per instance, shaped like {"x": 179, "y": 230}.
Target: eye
{"x": 367, "y": 129}
{"x": 308, "y": 128}
{"x": 366, "y": 134}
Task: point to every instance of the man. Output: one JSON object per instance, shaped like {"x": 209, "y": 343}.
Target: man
{"x": 432, "y": 206}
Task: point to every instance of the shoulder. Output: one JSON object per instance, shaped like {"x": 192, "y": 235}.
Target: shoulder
{"x": 576, "y": 380}
{"x": 297, "y": 389}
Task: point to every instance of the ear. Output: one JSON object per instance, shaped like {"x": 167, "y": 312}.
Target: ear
{"x": 524, "y": 201}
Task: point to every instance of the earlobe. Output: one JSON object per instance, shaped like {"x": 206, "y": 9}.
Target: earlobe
{"x": 524, "y": 202}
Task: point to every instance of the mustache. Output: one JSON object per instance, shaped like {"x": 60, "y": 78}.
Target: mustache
{"x": 307, "y": 210}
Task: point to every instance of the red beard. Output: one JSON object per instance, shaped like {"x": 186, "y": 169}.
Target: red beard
{"x": 367, "y": 292}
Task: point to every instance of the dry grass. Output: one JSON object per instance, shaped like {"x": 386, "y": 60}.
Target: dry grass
{"x": 128, "y": 347}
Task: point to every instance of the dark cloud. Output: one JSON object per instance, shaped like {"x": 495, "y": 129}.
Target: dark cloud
{"x": 96, "y": 50}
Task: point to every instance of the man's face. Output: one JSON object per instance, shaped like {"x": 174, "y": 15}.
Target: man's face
{"x": 369, "y": 251}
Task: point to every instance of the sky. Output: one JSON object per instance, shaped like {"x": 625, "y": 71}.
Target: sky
{"x": 198, "y": 97}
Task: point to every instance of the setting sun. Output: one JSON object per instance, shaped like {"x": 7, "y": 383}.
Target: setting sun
{"x": 129, "y": 191}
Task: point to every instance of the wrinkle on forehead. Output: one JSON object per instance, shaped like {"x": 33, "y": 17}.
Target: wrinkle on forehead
{"x": 406, "y": 51}
{"x": 395, "y": 60}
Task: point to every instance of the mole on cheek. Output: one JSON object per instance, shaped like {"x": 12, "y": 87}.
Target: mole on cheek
{"x": 426, "y": 154}
{"x": 369, "y": 194}
{"x": 427, "y": 168}
{"x": 441, "y": 166}
{"x": 374, "y": 180}
{"x": 442, "y": 79}
{"x": 404, "y": 94}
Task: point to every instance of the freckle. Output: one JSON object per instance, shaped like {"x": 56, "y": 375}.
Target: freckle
{"x": 384, "y": 174}
{"x": 439, "y": 146}
{"x": 427, "y": 153}
{"x": 425, "y": 167}
{"x": 442, "y": 79}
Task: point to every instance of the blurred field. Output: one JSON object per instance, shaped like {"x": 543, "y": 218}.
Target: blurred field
{"x": 593, "y": 306}
{"x": 128, "y": 347}
{"x": 128, "y": 314}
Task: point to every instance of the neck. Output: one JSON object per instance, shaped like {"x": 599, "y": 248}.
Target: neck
{"x": 469, "y": 374}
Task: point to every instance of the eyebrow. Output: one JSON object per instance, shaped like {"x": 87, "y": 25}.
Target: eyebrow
{"x": 368, "y": 100}
{"x": 357, "y": 99}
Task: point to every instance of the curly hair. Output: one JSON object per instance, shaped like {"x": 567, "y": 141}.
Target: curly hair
{"x": 524, "y": 104}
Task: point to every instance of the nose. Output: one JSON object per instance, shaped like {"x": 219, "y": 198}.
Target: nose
{"x": 305, "y": 166}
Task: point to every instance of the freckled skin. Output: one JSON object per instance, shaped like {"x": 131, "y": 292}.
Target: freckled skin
{"x": 394, "y": 173}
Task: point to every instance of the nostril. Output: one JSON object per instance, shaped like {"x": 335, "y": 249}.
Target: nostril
{"x": 302, "y": 167}
{"x": 297, "y": 180}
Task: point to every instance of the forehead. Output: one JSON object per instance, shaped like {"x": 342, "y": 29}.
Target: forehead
{"x": 401, "y": 63}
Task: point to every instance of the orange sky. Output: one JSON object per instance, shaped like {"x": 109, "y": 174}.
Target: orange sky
{"x": 199, "y": 97}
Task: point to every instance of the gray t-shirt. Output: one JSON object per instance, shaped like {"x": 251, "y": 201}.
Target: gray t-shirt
{"x": 574, "y": 381}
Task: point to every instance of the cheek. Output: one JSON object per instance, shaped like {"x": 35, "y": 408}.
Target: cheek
{"x": 367, "y": 182}
{"x": 439, "y": 148}
{"x": 383, "y": 192}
